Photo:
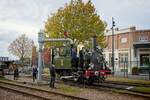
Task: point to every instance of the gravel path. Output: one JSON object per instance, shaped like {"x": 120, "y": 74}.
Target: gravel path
{"x": 8, "y": 95}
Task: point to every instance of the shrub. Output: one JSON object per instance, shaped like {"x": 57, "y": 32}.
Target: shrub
{"x": 135, "y": 71}
{"x": 46, "y": 71}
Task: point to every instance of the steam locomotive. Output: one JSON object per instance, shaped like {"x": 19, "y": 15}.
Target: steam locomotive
{"x": 92, "y": 68}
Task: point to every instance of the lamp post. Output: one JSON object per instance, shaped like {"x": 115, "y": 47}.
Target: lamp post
{"x": 112, "y": 60}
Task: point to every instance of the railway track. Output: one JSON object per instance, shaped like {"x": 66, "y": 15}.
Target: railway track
{"x": 37, "y": 93}
{"x": 116, "y": 83}
{"x": 110, "y": 86}
{"x": 126, "y": 87}
{"x": 127, "y": 83}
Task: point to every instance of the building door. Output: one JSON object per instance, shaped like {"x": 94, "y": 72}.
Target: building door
{"x": 144, "y": 60}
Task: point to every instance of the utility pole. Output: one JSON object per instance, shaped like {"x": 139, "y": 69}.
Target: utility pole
{"x": 112, "y": 60}
{"x": 41, "y": 38}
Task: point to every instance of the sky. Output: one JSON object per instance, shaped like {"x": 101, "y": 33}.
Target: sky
{"x": 19, "y": 17}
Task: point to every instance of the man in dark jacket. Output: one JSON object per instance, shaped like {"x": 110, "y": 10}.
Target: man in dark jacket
{"x": 52, "y": 76}
{"x": 74, "y": 62}
{"x": 16, "y": 73}
{"x": 81, "y": 59}
{"x": 34, "y": 72}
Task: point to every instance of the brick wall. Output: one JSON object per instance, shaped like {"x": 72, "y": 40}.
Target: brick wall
{"x": 126, "y": 40}
{"x": 137, "y": 35}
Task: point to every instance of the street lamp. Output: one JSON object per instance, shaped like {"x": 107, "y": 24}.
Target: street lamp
{"x": 112, "y": 60}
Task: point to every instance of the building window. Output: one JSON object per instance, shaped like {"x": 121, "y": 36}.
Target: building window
{"x": 143, "y": 39}
{"x": 123, "y": 57}
{"x": 3, "y": 58}
{"x": 104, "y": 55}
{"x": 110, "y": 57}
{"x": 123, "y": 60}
{"x": 123, "y": 40}
{"x": 144, "y": 60}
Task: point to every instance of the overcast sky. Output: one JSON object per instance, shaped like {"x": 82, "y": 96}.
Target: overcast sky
{"x": 28, "y": 16}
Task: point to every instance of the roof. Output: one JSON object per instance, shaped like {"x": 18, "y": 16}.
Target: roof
{"x": 125, "y": 30}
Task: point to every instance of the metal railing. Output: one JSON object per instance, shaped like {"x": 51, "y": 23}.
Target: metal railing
{"x": 125, "y": 69}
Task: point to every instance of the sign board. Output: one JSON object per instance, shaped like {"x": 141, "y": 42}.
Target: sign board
{"x": 123, "y": 40}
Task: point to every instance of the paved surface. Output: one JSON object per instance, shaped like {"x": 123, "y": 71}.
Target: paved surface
{"x": 27, "y": 79}
{"x": 8, "y": 95}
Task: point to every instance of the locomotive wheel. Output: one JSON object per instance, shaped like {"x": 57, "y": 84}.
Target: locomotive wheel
{"x": 102, "y": 79}
{"x": 90, "y": 81}
{"x": 80, "y": 80}
{"x": 80, "y": 77}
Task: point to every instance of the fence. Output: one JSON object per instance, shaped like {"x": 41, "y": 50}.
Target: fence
{"x": 124, "y": 69}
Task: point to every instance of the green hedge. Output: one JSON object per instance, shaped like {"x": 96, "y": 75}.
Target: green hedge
{"x": 141, "y": 90}
{"x": 135, "y": 71}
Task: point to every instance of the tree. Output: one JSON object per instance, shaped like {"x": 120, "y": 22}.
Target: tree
{"x": 79, "y": 19}
{"x": 21, "y": 47}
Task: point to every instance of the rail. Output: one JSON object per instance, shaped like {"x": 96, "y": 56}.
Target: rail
{"x": 36, "y": 92}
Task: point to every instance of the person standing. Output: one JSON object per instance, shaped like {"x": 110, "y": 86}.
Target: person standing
{"x": 34, "y": 72}
{"x": 87, "y": 59}
{"x": 74, "y": 63}
{"x": 52, "y": 76}
{"x": 81, "y": 59}
{"x": 16, "y": 73}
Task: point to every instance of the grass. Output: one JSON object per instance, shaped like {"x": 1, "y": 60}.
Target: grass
{"x": 46, "y": 71}
{"x": 2, "y": 78}
{"x": 146, "y": 82}
{"x": 75, "y": 90}
{"x": 6, "y": 80}
{"x": 141, "y": 89}
{"x": 62, "y": 88}
{"x": 69, "y": 89}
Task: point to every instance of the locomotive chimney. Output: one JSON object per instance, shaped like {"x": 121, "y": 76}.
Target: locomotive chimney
{"x": 94, "y": 44}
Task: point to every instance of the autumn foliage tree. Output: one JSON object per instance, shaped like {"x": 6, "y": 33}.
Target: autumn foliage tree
{"x": 79, "y": 19}
{"x": 21, "y": 47}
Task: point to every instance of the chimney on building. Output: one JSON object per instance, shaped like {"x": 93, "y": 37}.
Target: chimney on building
{"x": 132, "y": 28}
{"x": 117, "y": 29}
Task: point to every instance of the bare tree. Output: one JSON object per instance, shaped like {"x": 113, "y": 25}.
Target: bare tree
{"x": 21, "y": 47}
